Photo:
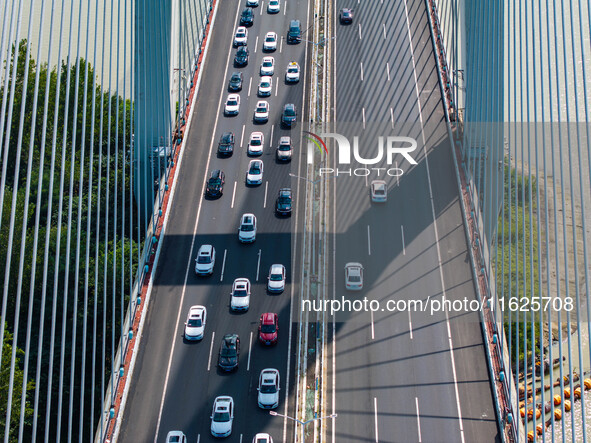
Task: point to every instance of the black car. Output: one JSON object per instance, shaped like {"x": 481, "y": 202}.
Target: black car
{"x": 289, "y": 115}
{"x": 346, "y": 16}
{"x": 235, "y": 83}
{"x": 215, "y": 184}
{"x": 294, "y": 35}
{"x": 247, "y": 17}
{"x": 283, "y": 204}
{"x": 226, "y": 144}
{"x": 229, "y": 352}
{"x": 241, "y": 58}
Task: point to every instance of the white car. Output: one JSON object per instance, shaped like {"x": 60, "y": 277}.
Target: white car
{"x": 195, "y": 324}
{"x": 261, "y": 112}
{"x": 247, "y": 232}
{"x": 176, "y": 437}
{"x": 265, "y": 86}
{"x": 240, "y": 295}
{"x": 256, "y": 144}
{"x": 241, "y": 36}
{"x": 270, "y": 43}
{"x": 205, "y": 261}
{"x": 262, "y": 437}
{"x": 276, "y": 279}
{"x": 273, "y": 7}
{"x": 254, "y": 176}
{"x": 267, "y": 66}
{"x": 232, "y": 106}
{"x": 379, "y": 191}
{"x": 292, "y": 75}
{"x": 222, "y": 416}
{"x": 269, "y": 388}
{"x": 252, "y": 3}
{"x": 354, "y": 276}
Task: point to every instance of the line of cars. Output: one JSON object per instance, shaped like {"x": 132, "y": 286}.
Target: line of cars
{"x": 228, "y": 357}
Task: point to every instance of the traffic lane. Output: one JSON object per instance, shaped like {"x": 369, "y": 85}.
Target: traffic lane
{"x": 139, "y": 422}
{"x": 475, "y": 392}
{"x": 200, "y": 390}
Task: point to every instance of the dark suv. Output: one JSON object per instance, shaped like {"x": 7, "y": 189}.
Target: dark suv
{"x": 247, "y": 17}
{"x": 294, "y": 35}
{"x": 226, "y": 144}
{"x": 235, "y": 83}
{"x": 229, "y": 352}
{"x": 284, "y": 201}
{"x": 289, "y": 115}
{"x": 241, "y": 58}
{"x": 215, "y": 184}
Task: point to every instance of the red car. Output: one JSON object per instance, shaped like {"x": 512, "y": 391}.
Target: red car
{"x": 268, "y": 328}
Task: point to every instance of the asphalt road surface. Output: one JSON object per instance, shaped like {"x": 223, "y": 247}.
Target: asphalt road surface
{"x": 401, "y": 376}
{"x": 175, "y": 382}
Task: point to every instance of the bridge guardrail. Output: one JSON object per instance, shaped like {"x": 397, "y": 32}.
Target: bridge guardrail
{"x": 493, "y": 338}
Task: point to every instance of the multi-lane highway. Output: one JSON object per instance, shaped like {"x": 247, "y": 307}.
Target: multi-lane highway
{"x": 175, "y": 382}
{"x": 401, "y": 376}
{"x": 393, "y": 376}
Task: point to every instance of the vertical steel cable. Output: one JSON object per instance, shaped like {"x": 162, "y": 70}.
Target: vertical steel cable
{"x": 87, "y": 86}
{"x": 96, "y": 249}
{"x": 3, "y": 183}
{"x": 583, "y": 212}
{"x": 68, "y": 237}
{"x": 35, "y": 242}
{"x": 12, "y": 219}
{"x": 72, "y": 368}
{"x": 58, "y": 236}
{"x": 41, "y": 342}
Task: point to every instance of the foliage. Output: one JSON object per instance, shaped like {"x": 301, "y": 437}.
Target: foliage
{"x": 15, "y": 409}
{"x": 517, "y": 259}
{"x": 76, "y": 175}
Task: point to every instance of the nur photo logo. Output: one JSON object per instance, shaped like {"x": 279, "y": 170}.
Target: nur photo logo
{"x": 391, "y": 150}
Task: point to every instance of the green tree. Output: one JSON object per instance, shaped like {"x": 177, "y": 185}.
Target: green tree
{"x": 15, "y": 409}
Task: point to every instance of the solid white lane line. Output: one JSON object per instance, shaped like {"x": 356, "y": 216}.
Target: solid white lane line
{"x": 384, "y": 28}
{"x": 223, "y": 265}
{"x": 271, "y": 138}
{"x": 266, "y": 189}
{"x": 242, "y": 137}
{"x": 210, "y": 350}
{"x": 368, "y": 241}
{"x": 249, "y": 86}
{"x": 410, "y": 324}
{"x": 361, "y": 66}
{"x": 233, "y": 196}
{"x": 403, "y": 246}
{"x": 388, "y": 71}
{"x": 276, "y": 88}
{"x": 359, "y": 25}
{"x": 363, "y": 116}
{"x": 373, "y": 335}
{"x": 256, "y": 44}
{"x": 418, "y": 417}
{"x": 375, "y": 411}
{"x": 190, "y": 259}
{"x": 392, "y": 117}
{"x": 258, "y": 265}
{"x": 451, "y": 351}
{"x": 249, "y": 351}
